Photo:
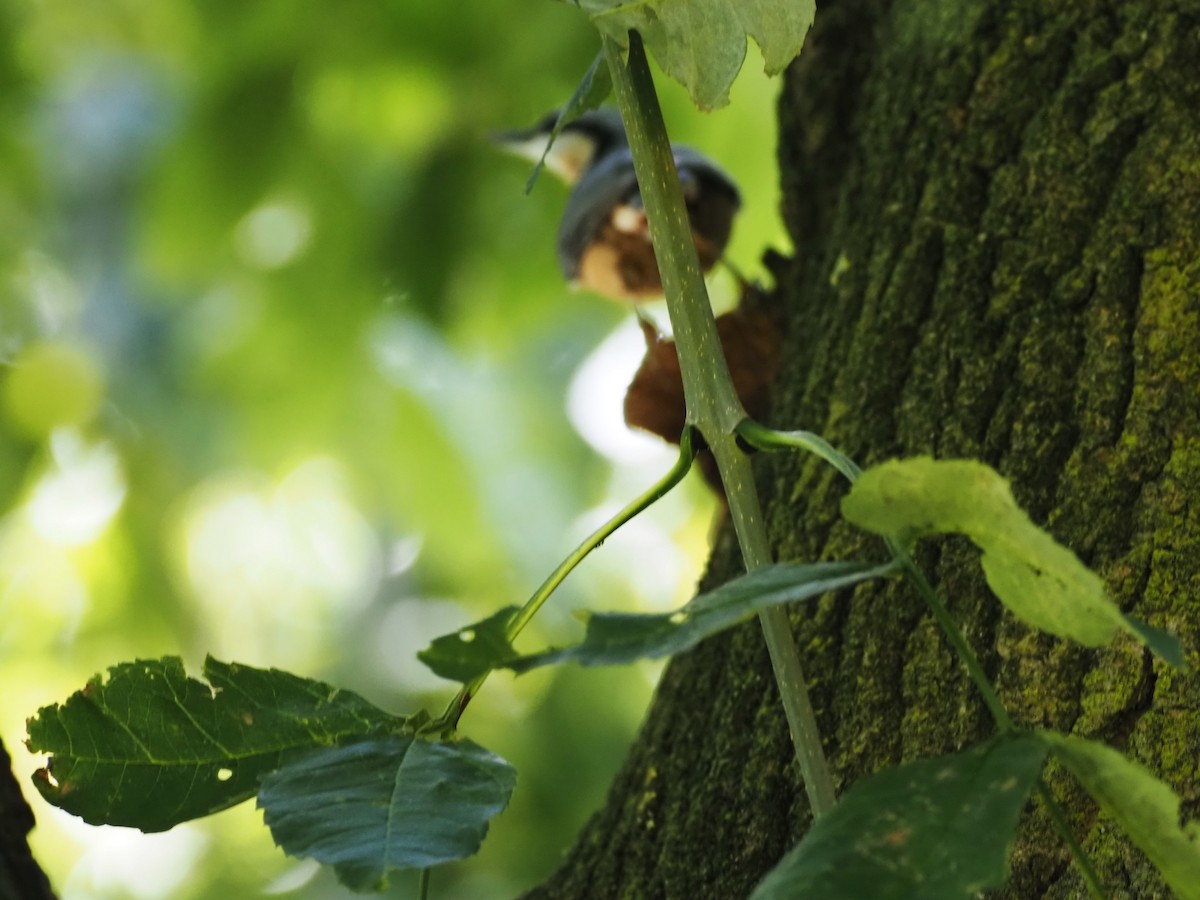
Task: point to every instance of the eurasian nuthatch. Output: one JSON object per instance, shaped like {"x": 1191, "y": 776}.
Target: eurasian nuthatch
{"x": 603, "y": 240}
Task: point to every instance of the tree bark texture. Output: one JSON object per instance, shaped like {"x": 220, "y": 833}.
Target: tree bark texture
{"x": 21, "y": 878}
{"x": 996, "y": 212}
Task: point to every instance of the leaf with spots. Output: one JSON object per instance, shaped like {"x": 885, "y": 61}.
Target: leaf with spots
{"x": 935, "y": 828}
{"x": 1039, "y": 580}
{"x": 618, "y": 638}
{"x": 401, "y": 802}
{"x": 472, "y": 651}
{"x": 149, "y": 747}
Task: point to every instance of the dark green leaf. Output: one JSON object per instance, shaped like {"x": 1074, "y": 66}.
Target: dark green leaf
{"x": 393, "y": 803}
{"x": 1146, "y": 808}
{"x": 937, "y": 828}
{"x": 1038, "y": 579}
{"x": 149, "y": 747}
{"x": 1160, "y": 641}
{"x": 589, "y": 94}
{"x": 472, "y": 651}
{"x": 702, "y": 43}
{"x": 615, "y": 638}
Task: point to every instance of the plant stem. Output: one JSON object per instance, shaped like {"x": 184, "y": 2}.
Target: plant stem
{"x": 687, "y": 453}
{"x": 768, "y": 439}
{"x": 954, "y": 635}
{"x": 712, "y": 403}
{"x": 1059, "y": 818}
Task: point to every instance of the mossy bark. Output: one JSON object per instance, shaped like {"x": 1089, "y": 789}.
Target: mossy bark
{"x": 996, "y": 212}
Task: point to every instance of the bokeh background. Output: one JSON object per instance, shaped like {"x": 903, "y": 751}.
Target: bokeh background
{"x": 288, "y": 376}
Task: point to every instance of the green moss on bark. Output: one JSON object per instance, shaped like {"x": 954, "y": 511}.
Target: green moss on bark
{"x": 997, "y": 222}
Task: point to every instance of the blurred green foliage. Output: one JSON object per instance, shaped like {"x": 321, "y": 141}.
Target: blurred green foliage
{"x": 285, "y": 357}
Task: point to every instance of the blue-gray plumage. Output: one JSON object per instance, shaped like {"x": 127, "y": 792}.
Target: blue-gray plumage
{"x": 603, "y": 240}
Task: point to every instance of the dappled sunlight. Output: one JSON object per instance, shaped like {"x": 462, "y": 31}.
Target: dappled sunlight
{"x": 289, "y": 375}
{"x": 596, "y": 397}
{"x": 408, "y": 626}
{"x": 50, "y": 298}
{"x": 274, "y": 233}
{"x": 52, "y": 385}
{"x": 271, "y": 564}
{"x": 45, "y": 567}
{"x": 121, "y": 862}
{"x": 77, "y": 497}
{"x": 44, "y": 596}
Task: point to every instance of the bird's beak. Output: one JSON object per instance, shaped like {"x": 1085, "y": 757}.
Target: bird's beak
{"x": 527, "y": 143}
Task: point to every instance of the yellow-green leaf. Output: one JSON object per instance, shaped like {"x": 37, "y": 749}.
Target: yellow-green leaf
{"x": 1038, "y": 579}
{"x": 702, "y": 43}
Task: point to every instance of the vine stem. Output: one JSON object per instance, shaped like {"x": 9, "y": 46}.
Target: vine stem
{"x": 1059, "y": 818}
{"x": 767, "y": 439}
{"x": 687, "y": 453}
{"x": 764, "y": 438}
{"x": 712, "y": 403}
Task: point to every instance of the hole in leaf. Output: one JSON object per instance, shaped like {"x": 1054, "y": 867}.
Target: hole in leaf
{"x": 224, "y": 774}
{"x": 467, "y": 635}
{"x": 678, "y": 618}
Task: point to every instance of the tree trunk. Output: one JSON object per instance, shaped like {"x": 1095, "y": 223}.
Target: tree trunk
{"x": 996, "y": 212}
{"x": 21, "y": 878}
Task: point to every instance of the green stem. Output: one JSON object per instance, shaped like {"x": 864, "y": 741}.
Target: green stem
{"x": 423, "y": 884}
{"x": 764, "y": 438}
{"x": 955, "y": 636}
{"x": 687, "y": 453}
{"x": 712, "y": 403}
{"x": 1059, "y": 818}
{"x": 767, "y": 439}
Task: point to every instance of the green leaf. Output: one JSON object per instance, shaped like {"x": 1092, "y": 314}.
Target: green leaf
{"x": 702, "y": 43}
{"x": 615, "y": 638}
{"x": 149, "y": 747}
{"x": 1146, "y": 808}
{"x": 589, "y": 94}
{"x": 1039, "y": 580}
{"x": 472, "y": 651}
{"x": 1160, "y": 641}
{"x": 937, "y": 828}
{"x": 393, "y": 803}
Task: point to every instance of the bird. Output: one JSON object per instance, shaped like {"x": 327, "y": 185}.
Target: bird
{"x": 603, "y": 241}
